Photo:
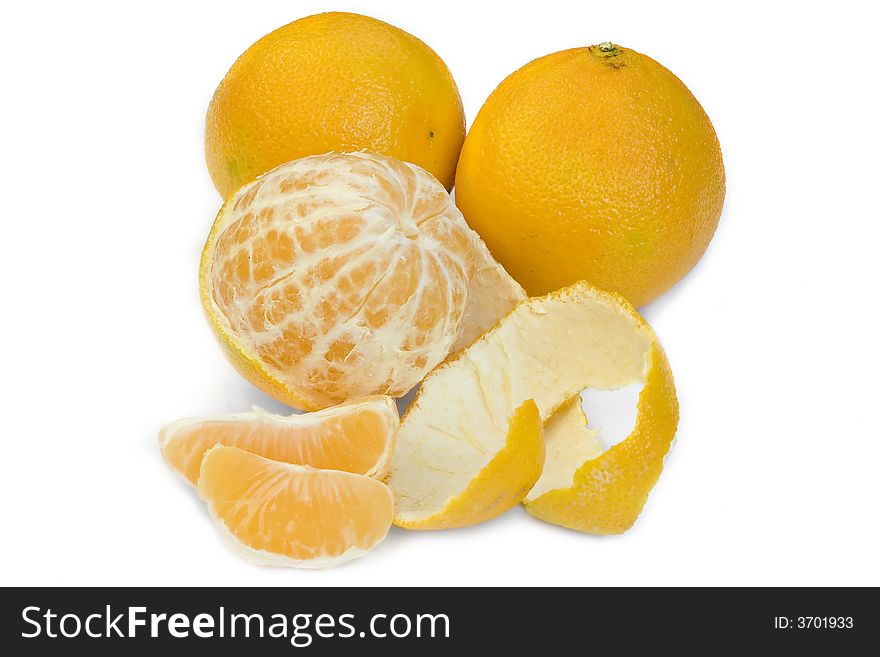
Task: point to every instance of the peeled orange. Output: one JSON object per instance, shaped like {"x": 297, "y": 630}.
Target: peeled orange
{"x": 593, "y": 164}
{"x": 542, "y": 354}
{"x": 345, "y": 275}
{"x": 333, "y": 82}
{"x": 355, "y": 437}
{"x": 280, "y": 514}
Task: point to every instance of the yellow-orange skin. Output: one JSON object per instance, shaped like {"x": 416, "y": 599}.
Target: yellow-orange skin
{"x": 502, "y": 483}
{"x": 609, "y": 492}
{"x": 333, "y": 82}
{"x": 593, "y": 165}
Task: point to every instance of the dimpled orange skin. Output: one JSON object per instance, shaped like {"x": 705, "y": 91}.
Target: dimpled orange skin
{"x": 593, "y": 163}
{"x": 333, "y": 82}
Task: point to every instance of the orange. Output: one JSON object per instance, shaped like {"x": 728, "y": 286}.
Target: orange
{"x": 333, "y": 82}
{"x": 356, "y": 437}
{"x": 282, "y": 514}
{"x": 593, "y": 163}
{"x": 339, "y": 276}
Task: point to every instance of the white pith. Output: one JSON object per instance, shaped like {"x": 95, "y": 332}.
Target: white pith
{"x": 492, "y": 294}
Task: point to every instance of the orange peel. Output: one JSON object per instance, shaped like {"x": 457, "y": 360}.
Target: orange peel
{"x": 547, "y": 350}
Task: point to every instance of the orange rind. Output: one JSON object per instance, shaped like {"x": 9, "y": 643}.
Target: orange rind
{"x": 545, "y": 351}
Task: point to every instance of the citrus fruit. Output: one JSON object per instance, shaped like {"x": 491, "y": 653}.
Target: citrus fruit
{"x": 593, "y": 163}
{"x": 340, "y": 276}
{"x": 548, "y": 349}
{"x": 355, "y": 437}
{"x": 281, "y": 514}
{"x": 333, "y": 82}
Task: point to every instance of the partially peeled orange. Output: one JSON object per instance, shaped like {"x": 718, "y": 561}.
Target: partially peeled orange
{"x": 344, "y": 275}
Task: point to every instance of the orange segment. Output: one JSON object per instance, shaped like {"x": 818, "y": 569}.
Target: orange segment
{"x": 355, "y": 437}
{"x": 280, "y": 514}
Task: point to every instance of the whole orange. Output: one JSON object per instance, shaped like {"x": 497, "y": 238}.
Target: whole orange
{"x": 333, "y": 82}
{"x": 593, "y": 163}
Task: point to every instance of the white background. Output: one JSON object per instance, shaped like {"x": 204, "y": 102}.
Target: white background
{"x": 773, "y": 338}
